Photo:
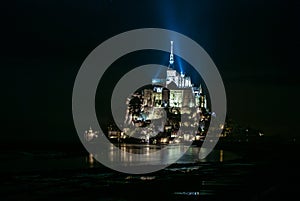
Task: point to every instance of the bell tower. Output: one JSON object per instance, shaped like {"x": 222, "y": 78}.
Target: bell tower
{"x": 171, "y": 61}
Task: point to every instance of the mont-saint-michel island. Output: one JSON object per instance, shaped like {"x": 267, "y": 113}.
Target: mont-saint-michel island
{"x": 171, "y": 110}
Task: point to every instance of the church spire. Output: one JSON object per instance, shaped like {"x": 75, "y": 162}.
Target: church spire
{"x": 171, "y": 61}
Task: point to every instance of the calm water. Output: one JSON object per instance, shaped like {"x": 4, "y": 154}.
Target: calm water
{"x": 28, "y": 161}
{"x": 223, "y": 175}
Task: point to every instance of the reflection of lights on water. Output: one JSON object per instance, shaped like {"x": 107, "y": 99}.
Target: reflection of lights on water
{"x": 147, "y": 151}
{"x": 187, "y": 193}
{"x": 147, "y": 178}
{"x": 221, "y": 155}
{"x": 111, "y": 152}
{"x": 176, "y": 140}
{"x": 124, "y": 151}
{"x": 91, "y": 160}
{"x": 141, "y": 178}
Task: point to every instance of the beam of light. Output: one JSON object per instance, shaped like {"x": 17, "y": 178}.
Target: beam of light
{"x": 178, "y": 63}
{"x": 180, "y": 66}
{"x": 158, "y": 73}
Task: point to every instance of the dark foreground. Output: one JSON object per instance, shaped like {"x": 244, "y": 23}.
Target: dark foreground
{"x": 263, "y": 171}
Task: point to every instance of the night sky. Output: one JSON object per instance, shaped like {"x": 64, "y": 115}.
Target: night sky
{"x": 254, "y": 44}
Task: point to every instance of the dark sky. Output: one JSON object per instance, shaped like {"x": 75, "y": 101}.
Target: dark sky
{"x": 254, "y": 44}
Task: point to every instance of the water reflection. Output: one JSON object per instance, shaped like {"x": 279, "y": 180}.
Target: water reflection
{"x": 135, "y": 155}
{"x": 221, "y": 155}
{"x": 90, "y": 160}
{"x": 144, "y": 154}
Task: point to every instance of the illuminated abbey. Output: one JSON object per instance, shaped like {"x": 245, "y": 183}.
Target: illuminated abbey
{"x": 156, "y": 113}
{"x": 179, "y": 90}
{"x": 158, "y": 108}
